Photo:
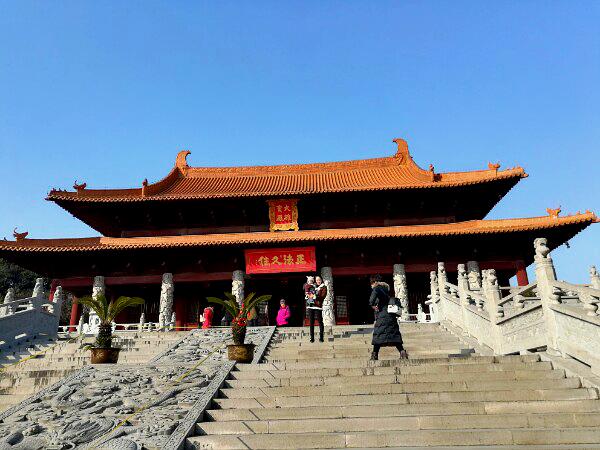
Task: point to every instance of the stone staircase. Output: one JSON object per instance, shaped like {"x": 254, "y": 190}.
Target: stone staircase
{"x": 58, "y": 359}
{"x": 328, "y": 395}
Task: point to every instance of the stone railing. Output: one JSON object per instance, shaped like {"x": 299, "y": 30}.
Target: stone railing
{"x": 30, "y": 317}
{"x": 557, "y": 316}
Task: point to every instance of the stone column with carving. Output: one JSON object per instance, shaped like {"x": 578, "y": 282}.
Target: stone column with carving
{"x": 167, "y": 291}
{"x": 473, "y": 275}
{"x": 38, "y": 290}
{"x": 10, "y": 295}
{"x": 400, "y": 289}
{"x": 98, "y": 288}
{"x": 549, "y": 295}
{"x": 328, "y": 302}
{"x": 442, "y": 278}
{"x": 492, "y": 293}
{"x": 462, "y": 282}
{"x": 237, "y": 285}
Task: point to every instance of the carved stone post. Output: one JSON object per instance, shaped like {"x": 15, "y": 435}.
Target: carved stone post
{"x": 442, "y": 278}
{"x": 492, "y": 294}
{"x": 549, "y": 295}
{"x": 463, "y": 293}
{"x": 10, "y": 295}
{"x": 433, "y": 297}
{"x": 57, "y": 302}
{"x": 400, "y": 289}
{"x": 594, "y": 278}
{"x": 421, "y": 318}
{"x": 98, "y": 289}
{"x": 142, "y": 322}
{"x": 473, "y": 275}
{"x": 237, "y": 285}
{"x": 167, "y": 290}
{"x": 38, "y": 290}
{"x": 328, "y": 302}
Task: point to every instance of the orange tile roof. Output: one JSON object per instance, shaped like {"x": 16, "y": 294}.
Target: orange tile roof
{"x": 473, "y": 227}
{"x": 388, "y": 173}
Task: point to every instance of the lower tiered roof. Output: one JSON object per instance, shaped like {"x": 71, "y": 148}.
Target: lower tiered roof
{"x": 473, "y": 227}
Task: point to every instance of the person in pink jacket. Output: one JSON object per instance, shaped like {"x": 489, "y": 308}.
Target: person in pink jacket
{"x": 283, "y": 314}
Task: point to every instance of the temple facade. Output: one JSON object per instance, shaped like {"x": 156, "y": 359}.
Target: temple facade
{"x": 201, "y": 231}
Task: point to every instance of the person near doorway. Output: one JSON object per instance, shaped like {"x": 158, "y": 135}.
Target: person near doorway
{"x": 208, "y": 317}
{"x": 315, "y": 309}
{"x": 283, "y": 314}
{"x": 386, "y": 332}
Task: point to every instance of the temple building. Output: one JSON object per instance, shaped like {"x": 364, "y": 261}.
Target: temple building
{"x": 201, "y": 231}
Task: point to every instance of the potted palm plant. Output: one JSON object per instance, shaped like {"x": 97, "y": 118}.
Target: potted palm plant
{"x": 102, "y": 350}
{"x": 239, "y": 351}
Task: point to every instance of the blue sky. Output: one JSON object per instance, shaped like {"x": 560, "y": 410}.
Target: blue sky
{"x": 108, "y": 92}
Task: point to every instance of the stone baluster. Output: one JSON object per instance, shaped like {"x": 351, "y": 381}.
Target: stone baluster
{"x": 57, "y": 301}
{"x": 594, "y": 278}
{"x": 433, "y": 297}
{"x": 38, "y": 290}
{"x": 172, "y": 323}
{"x": 10, "y": 295}
{"x": 462, "y": 283}
{"x": 442, "y": 278}
{"x": 492, "y": 294}
{"x": 401, "y": 289}
{"x": 237, "y": 285}
{"x": 519, "y": 301}
{"x": 328, "y": 302}
{"x": 549, "y": 295}
{"x": 473, "y": 275}
{"x": 98, "y": 289}
{"x": 167, "y": 291}
{"x": 142, "y": 322}
{"x": 80, "y": 325}
{"x": 421, "y": 318}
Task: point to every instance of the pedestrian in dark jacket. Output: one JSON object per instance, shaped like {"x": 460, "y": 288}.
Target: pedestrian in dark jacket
{"x": 386, "y": 331}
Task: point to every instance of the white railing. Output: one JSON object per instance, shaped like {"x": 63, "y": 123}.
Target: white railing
{"x": 28, "y": 318}
{"x": 548, "y": 314}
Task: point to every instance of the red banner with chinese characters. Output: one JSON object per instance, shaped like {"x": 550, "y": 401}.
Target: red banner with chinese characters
{"x": 283, "y": 214}
{"x": 275, "y": 260}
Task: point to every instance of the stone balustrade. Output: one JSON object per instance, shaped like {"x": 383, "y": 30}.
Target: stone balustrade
{"x": 29, "y": 318}
{"x": 561, "y": 317}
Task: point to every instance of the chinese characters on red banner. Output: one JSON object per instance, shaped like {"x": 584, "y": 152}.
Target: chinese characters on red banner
{"x": 283, "y": 214}
{"x": 274, "y": 260}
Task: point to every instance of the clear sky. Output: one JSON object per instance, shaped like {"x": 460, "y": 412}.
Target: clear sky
{"x": 108, "y": 92}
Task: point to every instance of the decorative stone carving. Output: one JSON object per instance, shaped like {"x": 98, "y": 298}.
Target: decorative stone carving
{"x": 542, "y": 251}
{"x": 38, "y": 290}
{"x": 167, "y": 290}
{"x": 328, "y": 303}
{"x": 237, "y": 285}
{"x": 172, "y": 323}
{"x": 401, "y": 289}
{"x": 93, "y": 324}
{"x": 142, "y": 321}
{"x": 10, "y": 295}
{"x": 473, "y": 275}
{"x": 594, "y": 278}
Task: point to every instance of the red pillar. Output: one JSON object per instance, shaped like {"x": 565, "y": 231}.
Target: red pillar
{"x": 179, "y": 313}
{"x": 74, "y": 315}
{"x": 522, "y": 279}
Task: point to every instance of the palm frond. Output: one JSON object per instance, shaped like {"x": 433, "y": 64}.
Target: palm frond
{"x": 114, "y": 308}
{"x": 230, "y": 306}
{"x": 97, "y": 304}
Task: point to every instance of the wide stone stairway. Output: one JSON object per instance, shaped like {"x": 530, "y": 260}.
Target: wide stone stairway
{"x": 329, "y": 395}
{"x": 59, "y": 359}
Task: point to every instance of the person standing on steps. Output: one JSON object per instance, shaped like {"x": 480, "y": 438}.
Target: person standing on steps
{"x": 386, "y": 332}
{"x": 315, "y": 309}
{"x": 283, "y": 314}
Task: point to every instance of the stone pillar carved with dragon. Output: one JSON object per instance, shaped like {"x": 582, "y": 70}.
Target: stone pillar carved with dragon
{"x": 167, "y": 292}
{"x": 328, "y": 301}
{"x": 401, "y": 289}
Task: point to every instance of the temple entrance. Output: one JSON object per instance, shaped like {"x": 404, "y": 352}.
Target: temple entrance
{"x": 284, "y": 285}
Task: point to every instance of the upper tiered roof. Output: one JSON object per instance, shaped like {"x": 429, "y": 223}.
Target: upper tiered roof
{"x": 388, "y": 173}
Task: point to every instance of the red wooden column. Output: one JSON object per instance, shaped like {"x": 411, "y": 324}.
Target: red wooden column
{"x": 522, "y": 279}
{"x": 180, "y": 318}
{"x": 75, "y": 311}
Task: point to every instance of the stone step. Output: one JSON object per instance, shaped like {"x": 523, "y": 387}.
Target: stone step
{"x": 369, "y": 424}
{"x": 386, "y": 408}
{"x": 392, "y": 394}
{"x": 565, "y": 383}
{"x": 359, "y": 363}
{"x": 360, "y": 355}
{"x": 430, "y": 368}
{"x": 466, "y": 437}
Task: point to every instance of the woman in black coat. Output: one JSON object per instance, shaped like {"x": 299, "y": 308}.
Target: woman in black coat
{"x": 386, "y": 331}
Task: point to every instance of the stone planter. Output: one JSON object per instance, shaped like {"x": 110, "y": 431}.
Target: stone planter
{"x": 241, "y": 353}
{"x": 105, "y": 355}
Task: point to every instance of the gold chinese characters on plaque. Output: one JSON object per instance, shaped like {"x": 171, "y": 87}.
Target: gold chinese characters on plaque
{"x": 283, "y": 215}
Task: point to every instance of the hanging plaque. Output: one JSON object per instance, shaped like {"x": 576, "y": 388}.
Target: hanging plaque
{"x": 276, "y": 260}
{"x": 283, "y": 214}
